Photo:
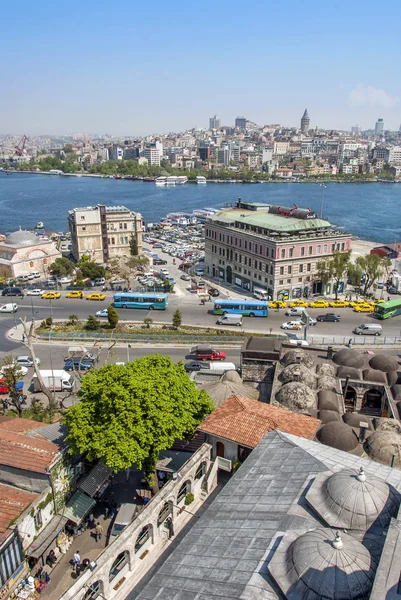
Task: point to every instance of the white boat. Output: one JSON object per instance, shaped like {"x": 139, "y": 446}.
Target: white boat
{"x": 200, "y": 179}
{"x": 181, "y": 179}
{"x": 161, "y": 180}
{"x": 39, "y": 225}
{"x": 171, "y": 180}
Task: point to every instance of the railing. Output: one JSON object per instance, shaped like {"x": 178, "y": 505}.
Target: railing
{"x": 370, "y": 340}
{"x": 138, "y": 337}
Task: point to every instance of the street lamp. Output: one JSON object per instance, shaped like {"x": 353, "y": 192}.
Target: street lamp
{"x": 323, "y": 186}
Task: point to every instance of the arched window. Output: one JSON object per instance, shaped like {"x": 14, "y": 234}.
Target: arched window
{"x": 31, "y": 263}
{"x": 164, "y": 513}
{"x": 118, "y": 565}
{"x": 93, "y": 591}
{"x": 201, "y": 470}
{"x": 184, "y": 490}
{"x": 143, "y": 537}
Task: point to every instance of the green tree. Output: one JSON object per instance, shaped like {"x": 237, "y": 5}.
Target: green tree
{"x": 126, "y": 416}
{"x": 112, "y": 316}
{"x": 11, "y": 372}
{"x": 148, "y": 322}
{"x": 355, "y": 274}
{"x": 62, "y": 267}
{"x": 90, "y": 269}
{"x": 73, "y": 319}
{"x": 334, "y": 268}
{"x": 133, "y": 245}
{"x": 92, "y": 323}
{"x": 177, "y": 318}
{"x": 372, "y": 267}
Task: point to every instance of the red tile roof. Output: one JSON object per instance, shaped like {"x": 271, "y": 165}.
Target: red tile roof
{"x": 246, "y": 421}
{"x": 19, "y": 425}
{"x": 23, "y": 452}
{"x": 13, "y": 502}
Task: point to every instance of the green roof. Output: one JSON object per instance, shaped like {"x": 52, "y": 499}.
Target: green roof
{"x": 266, "y": 220}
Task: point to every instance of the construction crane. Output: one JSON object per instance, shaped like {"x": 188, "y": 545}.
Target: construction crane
{"x": 19, "y": 150}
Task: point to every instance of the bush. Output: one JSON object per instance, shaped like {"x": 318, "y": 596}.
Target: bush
{"x": 112, "y": 316}
{"x": 73, "y": 319}
{"x": 49, "y": 322}
{"x": 148, "y": 322}
{"x": 177, "y": 318}
{"x": 92, "y": 323}
{"x": 189, "y": 498}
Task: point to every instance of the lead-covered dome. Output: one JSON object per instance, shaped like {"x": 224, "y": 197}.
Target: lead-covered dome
{"x": 338, "y": 435}
{"x": 384, "y": 447}
{"x": 21, "y": 238}
{"x": 295, "y": 357}
{"x": 349, "y": 358}
{"x": 321, "y": 564}
{"x": 352, "y": 500}
{"x": 298, "y": 372}
{"x": 296, "y": 396}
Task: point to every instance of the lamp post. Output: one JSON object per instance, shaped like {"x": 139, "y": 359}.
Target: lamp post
{"x": 323, "y": 186}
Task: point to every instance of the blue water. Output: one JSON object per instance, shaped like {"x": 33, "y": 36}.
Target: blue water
{"x": 370, "y": 211}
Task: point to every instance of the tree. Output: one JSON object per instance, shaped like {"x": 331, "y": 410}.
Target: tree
{"x": 372, "y": 267}
{"x": 92, "y": 323}
{"x": 127, "y": 415}
{"x": 133, "y": 245}
{"x": 355, "y": 274}
{"x": 12, "y": 374}
{"x": 112, "y": 316}
{"x": 334, "y": 268}
{"x": 62, "y": 267}
{"x": 148, "y": 322}
{"x": 73, "y": 319}
{"x": 91, "y": 270}
{"x": 177, "y": 318}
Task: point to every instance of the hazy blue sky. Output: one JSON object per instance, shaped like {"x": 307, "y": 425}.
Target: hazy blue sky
{"x": 135, "y": 67}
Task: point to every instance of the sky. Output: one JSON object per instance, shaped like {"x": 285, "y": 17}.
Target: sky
{"x": 133, "y": 67}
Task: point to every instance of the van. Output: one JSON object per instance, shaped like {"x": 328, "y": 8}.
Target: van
{"x": 124, "y": 516}
{"x": 12, "y": 291}
{"x": 222, "y": 366}
{"x": 36, "y": 274}
{"x": 368, "y": 329}
{"x": 9, "y": 308}
{"x": 261, "y": 294}
{"x": 297, "y": 311}
{"x": 99, "y": 281}
{"x": 230, "y": 320}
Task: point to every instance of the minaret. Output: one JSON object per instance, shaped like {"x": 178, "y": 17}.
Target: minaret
{"x": 305, "y": 122}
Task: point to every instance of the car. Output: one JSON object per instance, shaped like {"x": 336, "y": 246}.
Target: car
{"x": 35, "y": 292}
{"x": 96, "y": 297}
{"x": 214, "y": 292}
{"x": 159, "y": 261}
{"x": 51, "y": 295}
{"x": 73, "y": 294}
{"x": 196, "y": 366}
{"x": 278, "y": 304}
{"x": 329, "y": 317}
{"x": 354, "y": 303}
{"x": 9, "y": 308}
{"x": 185, "y": 277}
{"x": 338, "y": 304}
{"x": 102, "y": 313}
{"x": 117, "y": 281}
{"x": 76, "y": 364}
{"x": 392, "y": 290}
{"x": 366, "y": 308}
{"x": 319, "y": 304}
{"x": 3, "y": 386}
{"x": 22, "y": 370}
{"x": 26, "y": 361}
{"x": 65, "y": 280}
{"x": 380, "y": 285}
{"x": 300, "y": 303}
{"x": 297, "y": 342}
{"x": 292, "y": 325}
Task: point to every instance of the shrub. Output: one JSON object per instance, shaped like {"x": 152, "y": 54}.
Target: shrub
{"x": 92, "y": 323}
{"x": 49, "y": 322}
{"x": 189, "y": 498}
{"x": 112, "y": 316}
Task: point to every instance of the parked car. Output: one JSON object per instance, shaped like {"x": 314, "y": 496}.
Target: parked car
{"x": 76, "y": 364}
{"x": 22, "y": 370}
{"x": 35, "y": 292}
{"x": 185, "y": 277}
{"x": 338, "y": 304}
{"x": 65, "y": 280}
{"x": 99, "y": 281}
{"x": 301, "y": 303}
{"x": 278, "y": 304}
{"x": 73, "y": 294}
{"x": 159, "y": 261}
{"x": 329, "y": 317}
{"x": 319, "y": 304}
{"x": 364, "y": 308}
{"x": 26, "y": 361}
{"x": 12, "y": 291}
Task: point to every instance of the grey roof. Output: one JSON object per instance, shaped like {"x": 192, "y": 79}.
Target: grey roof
{"x": 349, "y": 358}
{"x": 225, "y": 552}
{"x": 172, "y": 460}
{"x": 22, "y": 238}
{"x": 384, "y": 362}
{"x": 55, "y": 432}
{"x": 94, "y": 480}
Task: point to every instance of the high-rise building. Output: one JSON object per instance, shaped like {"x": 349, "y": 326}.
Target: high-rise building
{"x": 240, "y": 122}
{"x": 204, "y": 152}
{"x": 116, "y": 153}
{"x": 153, "y": 156}
{"x": 131, "y": 153}
{"x": 305, "y": 122}
{"x": 224, "y": 156}
{"x": 379, "y": 127}
{"x": 214, "y": 122}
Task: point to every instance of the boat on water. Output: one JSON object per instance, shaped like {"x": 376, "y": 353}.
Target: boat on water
{"x": 200, "y": 179}
{"x": 39, "y": 225}
{"x": 171, "y": 180}
{"x": 181, "y": 180}
{"x": 149, "y": 179}
{"x": 161, "y": 180}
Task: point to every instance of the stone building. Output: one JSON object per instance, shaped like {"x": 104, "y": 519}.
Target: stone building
{"x": 22, "y": 253}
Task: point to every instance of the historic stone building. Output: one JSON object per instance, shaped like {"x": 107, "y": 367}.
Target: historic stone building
{"x": 23, "y": 253}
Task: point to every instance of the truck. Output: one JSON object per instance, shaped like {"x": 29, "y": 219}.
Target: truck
{"x": 207, "y": 353}
{"x": 55, "y": 380}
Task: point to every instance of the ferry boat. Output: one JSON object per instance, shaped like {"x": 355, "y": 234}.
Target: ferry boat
{"x": 181, "y": 180}
{"x": 161, "y": 180}
{"x": 171, "y": 180}
{"x": 39, "y": 225}
{"x": 200, "y": 179}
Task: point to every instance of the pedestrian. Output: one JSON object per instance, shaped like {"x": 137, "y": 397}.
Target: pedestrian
{"x": 388, "y": 298}
{"x": 77, "y": 561}
{"x": 98, "y": 532}
{"x": 91, "y": 521}
{"x": 350, "y": 343}
{"x": 113, "y": 507}
{"x": 106, "y": 509}
{"x": 170, "y": 527}
{"x": 23, "y": 338}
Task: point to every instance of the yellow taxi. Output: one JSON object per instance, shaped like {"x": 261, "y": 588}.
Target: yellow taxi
{"x": 357, "y": 303}
{"x": 367, "y": 308}
{"x": 376, "y": 302}
{"x": 300, "y": 303}
{"x": 338, "y": 304}
{"x": 74, "y": 294}
{"x": 319, "y": 304}
{"x": 278, "y": 304}
{"x": 51, "y": 295}
{"x": 96, "y": 297}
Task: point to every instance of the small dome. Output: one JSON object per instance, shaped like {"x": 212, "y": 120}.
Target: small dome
{"x": 328, "y": 416}
{"x": 322, "y": 564}
{"x": 326, "y": 369}
{"x": 396, "y": 391}
{"x": 376, "y": 376}
{"x": 349, "y": 358}
{"x": 295, "y": 357}
{"x": 232, "y": 376}
{"x": 385, "y": 424}
{"x": 326, "y": 405}
{"x": 338, "y": 435}
{"x": 296, "y": 396}
{"x": 298, "y": 372}
{"x": 354, "y": 419}
{"x": 384, "y": 362}
{"x": 328, "y": 396}
{"x": 382, "y": 445}
{"x": 351, "y": 372}
{"x": 353, "y": 500}
{"x": 22, "y": 238}
{"x": 392, "y": 378}
{"x": 327, "y": 383}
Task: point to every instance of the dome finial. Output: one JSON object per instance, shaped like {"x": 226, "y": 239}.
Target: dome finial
{"x": 338, "y": 543}
{"x": 361, "y": 475}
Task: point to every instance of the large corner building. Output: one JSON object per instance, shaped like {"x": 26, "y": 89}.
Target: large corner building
{"x": 255, "y": 245}
{"x": 104, "y": 232}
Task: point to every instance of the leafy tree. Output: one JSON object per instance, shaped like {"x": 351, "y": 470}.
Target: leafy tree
{"x": 127, "y": 415}
{"x": 112, "y": 316}
{"x": 133, "y": 245}
{"x": 73, "y": 319}
{"x": 148, "y": 322}
{"x": 355, "y": 274}
{"x": 62, "y": 267}
{"x": 92, "y": 323}
{"x": 177, "y": 318}
{"x": 90, "y": 269}
{"x": 372, "y": 266}
{"x": 334, "y": 268}
{"x": 11, "y": 372}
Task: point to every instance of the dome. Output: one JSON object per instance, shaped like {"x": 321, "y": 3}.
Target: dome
{"x": 384, "y": 362}
{"x": 385, "y": 424}
{"x": 328, "y": 395}
{"x": 376, "y": 376}
{"x": 354, "y": 419}
{"x": 327, "y": 383}
{"x": 298, "y": 372}
{"x": 327, "y": 416}
{"x": 322, "y": 564}
{"x": 382, "y": 445}
{"x": 229, "y": 385}
{"x": 349, "y": 358}
{"x": 353, "y": 500}
{"x": 22, "y": 238}
{"x": 233, "y": 376}
{"x": 326, "y": 369}
{"x": 396, "y": 391}
{"x": 338, "y": 435}
{"x": 296, "y": 396}
{"x": 392, "y": 378}
{"x": 295, "y": 357}
{"x": 326, "y": 405}
{"x": 351, "y": 372}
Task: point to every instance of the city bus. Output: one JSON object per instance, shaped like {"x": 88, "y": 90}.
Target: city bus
{"x": 247, "y": 308}
{"x": 135, "y": 300}
{"x": 385, "y": 310}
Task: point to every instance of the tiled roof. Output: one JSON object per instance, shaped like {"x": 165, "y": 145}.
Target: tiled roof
{"x": 246, "y": 421}
{"x": 18, "y": 425}
{"x": 13, "y": 502}
{"x": 27, "y": 453}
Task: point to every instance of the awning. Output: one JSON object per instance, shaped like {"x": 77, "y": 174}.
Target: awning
{"x": 46, "y": 537}
{"x": 78, "y": 507}
{"x": 94, "y": 481}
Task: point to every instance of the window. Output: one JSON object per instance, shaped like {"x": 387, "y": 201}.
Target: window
{"x": 291, "y": 252}
{"x": 282, "y": 252}
{"x": 113, "y": 241}
{"x": 184, "y": 490}
{"x": 288, "y": 280}
{"x": 308, "y": 267}
{"x": 82, "y": 218}
{"x": 342, "y": 247}
{"x": 319, "y": 249}
{"x": 144, "y": 535}
{"x": 333, "y": 247}
{"x": 310, "y": 250}
{"x": 245, "y": 245}
{"x": 120, "y": 225}
{"x": 301, "y": 268}
{"x": 325, "y": 248}
{"x": 201, "y": 470}
{"x": 299, "y": 279}
{"x": 125, "y": 225}
{"x": 37, "y": 519}
{"x": 164, "y": 513}
{"x": 280, "y": 282}
{"x": 303, "y": 251}
{"x": 83, "y": 228}
{"x": 118, "y": 565}
{"x": 260, "y": 249}
{"x": 31, "y": 263}
{"x": 93, "y": 591}
{"x": 289, "y": 270}
{"x": 281, "y": 270}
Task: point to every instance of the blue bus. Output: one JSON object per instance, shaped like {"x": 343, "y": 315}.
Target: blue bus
{"x": 248, "y": 308}
{"x": 136, "y": 300}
